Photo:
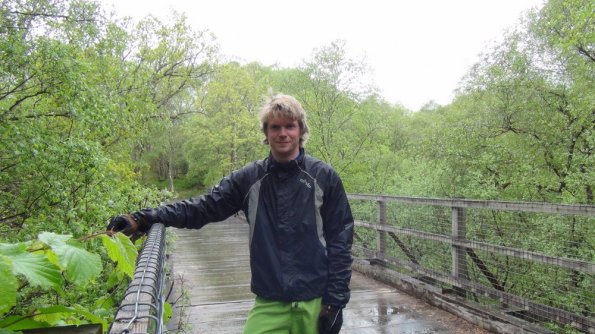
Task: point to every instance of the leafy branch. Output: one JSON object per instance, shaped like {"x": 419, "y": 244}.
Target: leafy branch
{"x": 51, "y": 262}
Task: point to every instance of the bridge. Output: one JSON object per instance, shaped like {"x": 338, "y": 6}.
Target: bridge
{"x": 421, "y": 265}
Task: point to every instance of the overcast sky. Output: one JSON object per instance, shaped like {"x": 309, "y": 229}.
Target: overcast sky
{"x": 418, "y": 50}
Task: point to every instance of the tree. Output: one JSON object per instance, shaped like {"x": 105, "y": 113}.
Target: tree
{"x": 522, "y": 129}
{"x": 49, "y": 108}
{"x": 172, "y": 63}
{"x": 331, "y": 87}
{"x": 64, "y": 123}
{"x": 534, "y": 96}
{"x": 226, "y": 135}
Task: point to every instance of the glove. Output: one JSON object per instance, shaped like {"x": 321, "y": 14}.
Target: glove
{"x": 122, "y": 223}
{"x": 330, "y": 320}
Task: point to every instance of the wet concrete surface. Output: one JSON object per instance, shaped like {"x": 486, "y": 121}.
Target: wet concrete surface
{"x": 212, "y": 291}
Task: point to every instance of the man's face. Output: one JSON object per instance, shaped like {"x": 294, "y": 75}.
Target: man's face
{"x": 283, "y": 135}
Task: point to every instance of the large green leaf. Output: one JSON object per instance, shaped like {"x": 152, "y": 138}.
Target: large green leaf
{"x": 38, "y": 270}
{"x": 8, "y": 287}
{"x": 80, "y": 265}
{"x": 50, "y": 316}
{"x": 122, "y": 251}
{"x": 13, "y": 249}
{"x": 8, "y": 331}
{"x": 115, "y": 278}
{"x": 53, "y": 239}
{"x": 19, "y": 322}
{"x": 56, "y": 314}
{"x": 90, "y": 316}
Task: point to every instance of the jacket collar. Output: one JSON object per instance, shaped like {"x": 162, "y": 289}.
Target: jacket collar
{"x": 288, "y": 166}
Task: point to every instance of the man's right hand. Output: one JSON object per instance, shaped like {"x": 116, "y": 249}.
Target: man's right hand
{"x": 122, "y": 223}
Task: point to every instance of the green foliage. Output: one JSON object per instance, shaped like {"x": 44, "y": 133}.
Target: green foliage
{"x": 8, "y": 290}
{"x": 37, "y": 268}
{"x": 226, "y": 135}
{"x": 79, "y": 95}
{"x": 51, "y": 316}
{"x": 8, "y": 331}
{"x": 521, "y": 126}
{"x": 330, "y": 87}
{"x": 121, "y": 251}
{"x": 81, "y": 265}
{"x": 167, "y": 312}
{"x": 70, "y": 93}
{"x": 50, "y": 263}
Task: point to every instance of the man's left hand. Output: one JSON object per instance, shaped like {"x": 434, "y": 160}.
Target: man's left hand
{"x": 330, "y": 320}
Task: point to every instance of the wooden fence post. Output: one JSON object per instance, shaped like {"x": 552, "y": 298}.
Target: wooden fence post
{"x": 459, "y": 257}
{"x": 381, "y": 235}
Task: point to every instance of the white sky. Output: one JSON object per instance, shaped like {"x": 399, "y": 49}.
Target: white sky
{"x": 418, "y": 50}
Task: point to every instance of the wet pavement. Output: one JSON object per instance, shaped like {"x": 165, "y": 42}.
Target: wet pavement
{"x": 212, "y": 291}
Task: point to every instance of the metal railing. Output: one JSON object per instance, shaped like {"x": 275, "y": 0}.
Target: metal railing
{"x": 523, "y": 265}
{"x": 141, "y": 310}
{"x": 531, "y": 262}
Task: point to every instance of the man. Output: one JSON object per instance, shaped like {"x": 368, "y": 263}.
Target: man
{"x": 301, "y": 227}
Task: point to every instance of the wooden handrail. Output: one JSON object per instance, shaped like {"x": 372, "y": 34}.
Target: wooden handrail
{"x": 563, "y": 209}
{"x": 461, "y": 247}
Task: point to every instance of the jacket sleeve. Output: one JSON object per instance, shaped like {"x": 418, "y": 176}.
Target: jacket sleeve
{"x": 338, "y": 230}
{"x": 222, "y": 201}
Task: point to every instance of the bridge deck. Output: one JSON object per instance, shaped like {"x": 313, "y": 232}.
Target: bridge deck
{"x": 212, "y": 276}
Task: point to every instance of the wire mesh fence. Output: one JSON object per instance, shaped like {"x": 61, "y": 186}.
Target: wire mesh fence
{"x": 533, "y": 261}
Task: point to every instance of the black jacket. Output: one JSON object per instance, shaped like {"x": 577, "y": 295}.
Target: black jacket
{"x": 301, "y": 227}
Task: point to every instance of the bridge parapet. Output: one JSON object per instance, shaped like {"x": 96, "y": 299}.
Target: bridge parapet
{"x": 527, "y": 264}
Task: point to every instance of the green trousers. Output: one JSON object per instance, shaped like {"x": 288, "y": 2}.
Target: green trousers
{"x": 273, "y": 317}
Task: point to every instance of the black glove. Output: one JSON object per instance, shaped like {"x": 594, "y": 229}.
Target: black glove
{"x": 123, "y": 223}
{"x": 330, "y": 320}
